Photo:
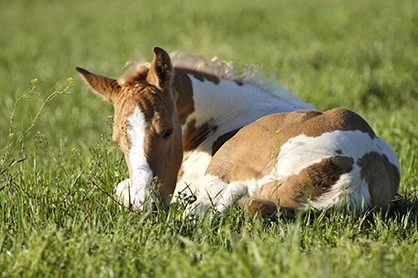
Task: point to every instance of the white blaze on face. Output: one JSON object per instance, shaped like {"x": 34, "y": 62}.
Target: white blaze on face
{"x": 141, "y": 172}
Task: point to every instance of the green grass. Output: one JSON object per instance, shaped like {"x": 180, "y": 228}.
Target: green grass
{"x": 56, "y": 220}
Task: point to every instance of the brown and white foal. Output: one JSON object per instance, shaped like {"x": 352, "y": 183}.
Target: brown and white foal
{"x": 199, "y": 127}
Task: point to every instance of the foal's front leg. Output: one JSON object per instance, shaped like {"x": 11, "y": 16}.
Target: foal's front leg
{"x": 129, "y": 195}
{"x": 218, "y": 195}
{"x": 233, "y": 193}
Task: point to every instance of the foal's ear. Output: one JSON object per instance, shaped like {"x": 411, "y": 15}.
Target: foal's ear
{"x": 161, "y": 70}
{"x": 102, "y": 85}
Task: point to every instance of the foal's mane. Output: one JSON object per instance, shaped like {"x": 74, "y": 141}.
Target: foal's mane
{"x": 251, "y": 75}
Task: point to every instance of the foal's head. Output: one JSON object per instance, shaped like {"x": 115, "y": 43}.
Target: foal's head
{"x": 146, "y": 126}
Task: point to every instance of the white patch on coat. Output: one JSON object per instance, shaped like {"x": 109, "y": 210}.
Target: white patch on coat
{"x": 137, "y": 192}
{"x": 302, "y": 151}
{"x": 227, "y": 102}
{"x": 194, "y": 169}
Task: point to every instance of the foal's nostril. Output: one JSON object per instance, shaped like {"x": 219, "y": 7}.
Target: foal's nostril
{"x": 152, "y": 206}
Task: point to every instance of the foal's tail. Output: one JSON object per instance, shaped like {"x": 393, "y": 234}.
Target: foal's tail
{"x": 265, "y": 208}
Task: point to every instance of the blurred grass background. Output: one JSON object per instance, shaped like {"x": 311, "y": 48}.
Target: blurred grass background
{"x": 360, "y": 55}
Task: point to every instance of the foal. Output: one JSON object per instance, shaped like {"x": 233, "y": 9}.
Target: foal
{"x": 200, "y": 127}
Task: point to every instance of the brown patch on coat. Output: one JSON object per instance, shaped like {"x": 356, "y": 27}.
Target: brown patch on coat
{"x": 290, "y": 193}
{"x": 182, "y": 84}
{"x": 309, "y": 184}
{"x": 252, "y": 206}
{"x": 382, "y": 178}
{"x": 239, "y": 82}
{"x": 194, "y": 135}
{"x": 265, "y": 208}
{"x": 201, "y": 76}
{"x": 181, "y": 170}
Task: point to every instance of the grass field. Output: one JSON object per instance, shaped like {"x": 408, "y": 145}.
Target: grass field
{"x": 56, "y": 219}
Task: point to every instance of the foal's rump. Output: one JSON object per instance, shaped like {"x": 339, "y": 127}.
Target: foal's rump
{"x": 304, "y": 158}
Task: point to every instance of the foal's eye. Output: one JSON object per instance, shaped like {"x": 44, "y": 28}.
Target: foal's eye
{"x": 168, "y": 133}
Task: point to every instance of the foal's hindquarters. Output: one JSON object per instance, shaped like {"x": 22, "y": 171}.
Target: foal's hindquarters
{"x": 300, "y": 159}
